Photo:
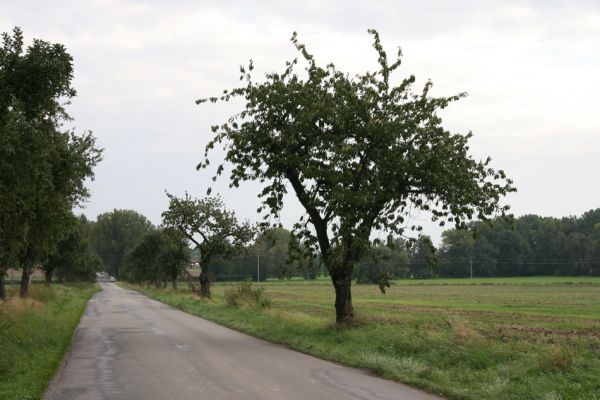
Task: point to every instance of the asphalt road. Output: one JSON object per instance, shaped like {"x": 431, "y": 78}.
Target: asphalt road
{"x": 131, "y": 347}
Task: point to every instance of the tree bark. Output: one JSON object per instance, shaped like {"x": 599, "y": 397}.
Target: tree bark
{"x": 2, "y": 287}
{"x": 342, "y": 282}
{"x": 204, "y": 276}
{"x": 48, "y": 278}
{"x": 175, "y": 283}
{"x": 25, "y": 276}
{"x": 204, "y": 285}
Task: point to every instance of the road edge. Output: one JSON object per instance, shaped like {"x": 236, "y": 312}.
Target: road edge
{"x": 61, "y": 366}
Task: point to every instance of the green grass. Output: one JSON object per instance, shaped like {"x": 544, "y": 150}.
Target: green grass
{"x": 34, "y": 336}
{"x": 506, "y": 338}
{"x": 521, "y": 280}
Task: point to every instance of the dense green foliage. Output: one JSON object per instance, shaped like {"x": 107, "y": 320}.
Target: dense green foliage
{"x": 73, "y": 259}
{"x": 116, "y": 233}
{"x": 34, "y": 336}
{"x": 496, "y": 339}
{"x": 43, "y": 167}
{"x": 382, "y": 263}
{"x": 160, "y": 256}
{"x": 358, "y": 152}
{"x": 531, "y": 245}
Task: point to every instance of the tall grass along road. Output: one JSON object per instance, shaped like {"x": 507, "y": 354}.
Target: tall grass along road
{"x": 131, "y": 347}
{"x": 35, "y": 334}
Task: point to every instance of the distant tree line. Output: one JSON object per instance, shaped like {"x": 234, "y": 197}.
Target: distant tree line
{"x": 526, "y": 246}
{"x": 268, "y": 257}
{"x": 128, "y": 246}
{"x": 530, "y": 245}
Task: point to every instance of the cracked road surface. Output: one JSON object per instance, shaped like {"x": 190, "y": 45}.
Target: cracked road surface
{"x": 129, "y": 346}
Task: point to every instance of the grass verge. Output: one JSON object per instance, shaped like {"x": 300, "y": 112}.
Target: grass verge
{"x": 492, "y": 341}
{"x": 35, "y": 335}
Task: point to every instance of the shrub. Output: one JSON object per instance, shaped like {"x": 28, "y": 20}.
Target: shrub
{"x": 245, "y": 294}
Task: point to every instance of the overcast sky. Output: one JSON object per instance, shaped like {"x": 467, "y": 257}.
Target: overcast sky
{"x": 531, "y": 68}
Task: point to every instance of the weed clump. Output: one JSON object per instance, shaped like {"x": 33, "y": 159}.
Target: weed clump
{"x": 43, "y": 294}
{"x": 460, "y": 329}
{"x": 244, "y": 294}
{"x": 556, "y": 358}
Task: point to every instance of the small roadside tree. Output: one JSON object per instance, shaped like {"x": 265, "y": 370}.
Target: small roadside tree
{"x": 141, "y": 263}
{"x": 358, "y": 152}
{"x": 160, "y": 256}
{"x": 210, "y": 226}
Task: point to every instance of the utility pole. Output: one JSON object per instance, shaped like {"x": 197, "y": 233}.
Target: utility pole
{"x": 258, "y": 268}
{"x": 471, "y": 266}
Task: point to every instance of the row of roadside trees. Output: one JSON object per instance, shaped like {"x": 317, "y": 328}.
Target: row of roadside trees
{"x": 131, "y": 248}
{"x": 43, "y": 164}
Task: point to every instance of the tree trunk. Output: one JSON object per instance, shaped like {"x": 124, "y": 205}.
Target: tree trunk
{"x": 25, "y": 277}
{"x": 190, "y": 280}
{"x": 344, "y": 311}
{"x": 2, "y": 287}
{"x": 48, "y": 278}
{"x": 204, "y": 285}
{"x": 175, "y": 283}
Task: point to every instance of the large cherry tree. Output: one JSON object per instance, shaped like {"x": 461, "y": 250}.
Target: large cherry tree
{"x": 359, "y": 152}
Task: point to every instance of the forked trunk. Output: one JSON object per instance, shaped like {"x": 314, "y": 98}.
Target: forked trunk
{"x": 25, "y": 279}
{"x": 344, "y": 311}
{"x": 204, "y": 285}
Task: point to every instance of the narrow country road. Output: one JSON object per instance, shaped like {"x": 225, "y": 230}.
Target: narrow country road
{"x": 131, "y": 347}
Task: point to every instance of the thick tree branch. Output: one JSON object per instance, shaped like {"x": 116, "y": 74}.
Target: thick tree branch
{"x": 319, "y": 223}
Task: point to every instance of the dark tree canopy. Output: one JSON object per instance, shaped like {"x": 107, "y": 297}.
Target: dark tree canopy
{"x": 210, "y": 226}
{"x": 382, "y": 263}
{"x": 37, "y": 80}
{"x": 423, "y": 258}
{"x": 358, "y": 152}
{"x": 72, "y": 259}
{"x": 281, "y": 256}
{"x": 529, "y": 245}
{"x": 116, "y": 233}
{"x": 160, "y": 256}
